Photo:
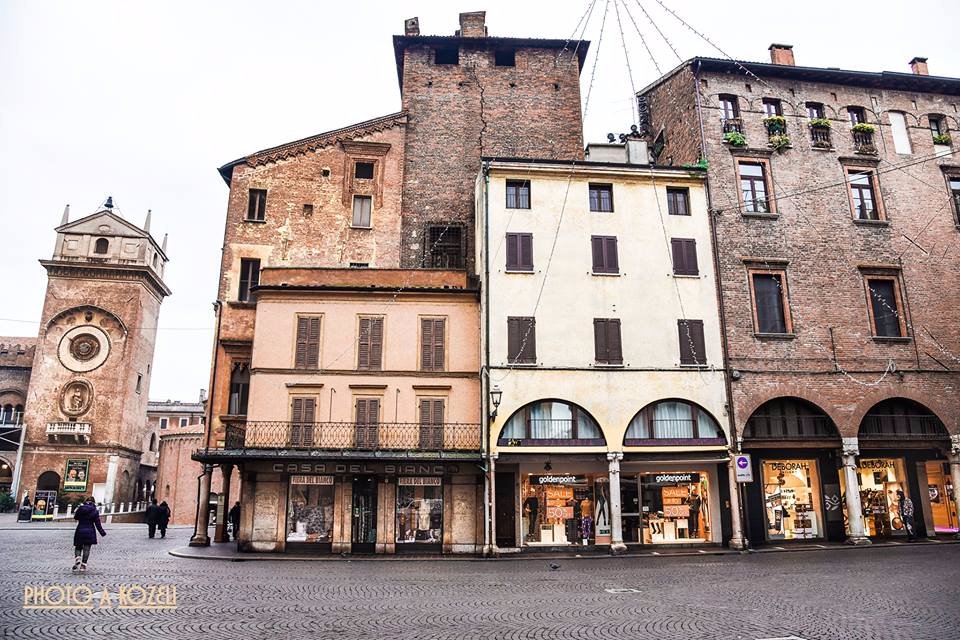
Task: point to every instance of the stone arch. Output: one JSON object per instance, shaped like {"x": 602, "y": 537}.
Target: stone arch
{"x": 84, "y": 309}
{"x": 784, "y": 391}
{"x": 935, "y": 405}
{"x": 789, "y": 418}
{"x": 525, "y": 427}
{"x": 700, "y": 419}
{"x": 48, "y": 481}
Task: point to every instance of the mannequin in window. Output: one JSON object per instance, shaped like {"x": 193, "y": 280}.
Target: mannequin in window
{"x": 695, "y": 503}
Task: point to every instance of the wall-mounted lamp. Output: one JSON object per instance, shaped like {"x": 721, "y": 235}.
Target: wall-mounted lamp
{"x": 495, "y": 395}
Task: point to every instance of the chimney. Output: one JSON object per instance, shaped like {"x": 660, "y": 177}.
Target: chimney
{"x": 919, "y": 66}
{"x": 782, "y": 54}
{"x": 411, "y": 26}
{"x": 473, "y": 25}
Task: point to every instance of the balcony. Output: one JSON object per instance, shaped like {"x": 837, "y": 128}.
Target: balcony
{"x": 902, "y": 427}
{"x": 334, "y": 436}
{"x": 863, "y": 142}
{"x": 732, "y": 125}
{"x": 820, "y": 136}
{"x": 76, "y": 431}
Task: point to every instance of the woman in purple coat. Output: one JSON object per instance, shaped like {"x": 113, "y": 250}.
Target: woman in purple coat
{"x": 86, "y": 533}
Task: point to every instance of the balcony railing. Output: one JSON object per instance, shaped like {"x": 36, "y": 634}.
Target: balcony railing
{"x": 732, "y": 125}
{"x": 11, "y": 419}
{"x": 820, "y": 136}
{"x": 78, "y": 430}
{"x": 384, "y": 436}
{"x": 902, "y": 427}
{"x": 767, "y": 427}
{"x": 863, "y": 142}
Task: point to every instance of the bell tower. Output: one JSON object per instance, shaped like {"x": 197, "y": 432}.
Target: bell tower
{"x": 86, "y": 405}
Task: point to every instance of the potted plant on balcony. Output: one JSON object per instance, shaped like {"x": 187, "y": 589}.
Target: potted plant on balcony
{"x": 863, "y": 127}
{"x": 735, "y": 139}
{"x": 780, "y": 142}
{"x": 942, "y": 138}
{"x": 776, "y": 125}
{"x": 820, "y": 123}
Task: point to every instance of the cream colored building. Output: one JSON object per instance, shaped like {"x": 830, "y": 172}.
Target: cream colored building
{"x": 602, "y": 343}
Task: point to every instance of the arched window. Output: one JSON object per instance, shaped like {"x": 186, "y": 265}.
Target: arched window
{"x": 901, "y": 419}
{"x": 153, "y": 442}
{"x": 239, "y": 389}
{"x": 673, "y": 421}
{"x": 102, "y": 245}
{"x": 6, "y": 414}
{"x": 551, "y": 422}
{"x": 789, "y": 419}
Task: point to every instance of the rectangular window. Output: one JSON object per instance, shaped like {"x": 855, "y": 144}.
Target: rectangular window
{"x": 307, "y": 210}
{"x": 601, "y": 198}
{"x": 678, "y": 201}
{"x": 729, "y": 107}
{"x": 370, "y": 344}
{"x": 362, "y": 205}
{"x": 604, "y": 250}
{"x": 432, "y": 343}
{"x": 303, "y": 416}
{"x": 139, "y": 382}
{"x": 521, "y": 340}
{"x": 955, "y": 195}
{"x": 901, "y": 139}
{"x": 184, "y": 422}
{"x": 519, "y": 252}
{"x": 163, "y": 423}
{"x": 518, "y": 194}
{"x": 257, "y": 205}
{"x": 367, "y": 425}
{"x": 431, "y": 423}
{"x": 885, "y": 307}
{"x": 863, "y": 195}
{"x": 815, "y": 110}
{"x": 684, "y": 256}
{"x": 771, "y": 107}
{"x": 363, "y": 170}
{"x": 505, "y": 58}
{"x": 249, "y": 277}
{"x": 307, "y": 353}
{"x": 936, "y": 125}
{"x": 359, "y": 265}
{"x": 445, "y": 250}
{"x": 606, "y": 341}
{"x": 857, "y": 115}
{"x": 753, "y": 186}
{"x": 770, "y": 302}
{"x": 446, "y": 55}
{"x": 692, "y": 348}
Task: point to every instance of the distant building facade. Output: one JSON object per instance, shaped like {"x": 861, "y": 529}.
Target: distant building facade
{"x": 16, "y": 361}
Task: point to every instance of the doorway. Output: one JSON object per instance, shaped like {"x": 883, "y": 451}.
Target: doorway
{"x": 630, "y": 509}
{"x": 505, "y": 505}
{"x": 364, "y": 528}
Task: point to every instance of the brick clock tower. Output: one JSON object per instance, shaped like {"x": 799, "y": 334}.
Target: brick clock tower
{"x": 87, "y": 401}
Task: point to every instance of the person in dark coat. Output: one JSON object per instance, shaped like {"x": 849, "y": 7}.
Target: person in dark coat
{"x": 234, "y": 516}
{"x": 86, "y": 534}
{"x": 153, "y": 517}
{"x": 163, "y": 518}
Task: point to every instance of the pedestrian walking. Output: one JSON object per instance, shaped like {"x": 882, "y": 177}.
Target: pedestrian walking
{"x": 152, "y": 517}
{"x": 163, "y": 519}
{"x": 906, "y": 514}
{"x": 86, "y": 534}
{"x": 235, "y": 519}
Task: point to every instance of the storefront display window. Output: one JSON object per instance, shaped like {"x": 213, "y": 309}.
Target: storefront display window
{"x": 310, "y": 509}
{"x": 879, "y": 480}
{"x": 561, "y": 509}
{"x": 419, "y": 510}
{"x": 943, "y": 503}
{"x": 791, "y": 492}
{"x": 674, "y": 507}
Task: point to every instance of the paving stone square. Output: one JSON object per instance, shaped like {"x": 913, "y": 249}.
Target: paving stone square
{"x": 897, "y": 593}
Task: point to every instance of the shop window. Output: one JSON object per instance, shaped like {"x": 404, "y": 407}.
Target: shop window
{"x": 419, "y": 511}
{"x": 551, "y": 422}
{"x": 771, "y": 305}
{"x": 791, "y": 493}
{"x": 789, "y": 419}
{"x": 943, "y": 505}
{"x": 674, "y": 507}
{"x": 564, "y": 509}
{"x": 310, "y": 511}
{"x": 879, "y": 480}
{"x": 518, "y": 194}
{"x": 884, "y": 304}
{"x": 673, "y": 421}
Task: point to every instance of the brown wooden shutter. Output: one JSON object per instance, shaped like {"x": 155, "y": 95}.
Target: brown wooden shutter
{"x": 596, "y": 248}
{"x": 376, "y": 343}
{"x": 526, "y": 251}
{"x": 431, "y": 423}
{"x": 363, "y": 345}
{"x": 439, "y": 344}
{"x": 684, "y": 256}
{"x": 513, "y": 252}
{"x": 690, "y": 248}
{"x": 302, "y": 416}
{"x": 313, "y": 343}
{"x": 614, "y": 346}
{"x": 300, "y": 356}
{"x": 518, "y": 349}
{"x": 600, "y": 347}
{"x": 426, "y": 344}
{"x": 610, "y": 257}
{"x": 513, "y": 339}
{"x": 367, "y": 421}
{"x": 692, "y": 347}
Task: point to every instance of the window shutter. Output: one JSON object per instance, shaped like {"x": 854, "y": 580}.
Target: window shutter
{"x": 528, "y": 338}
{"x": 300, "y": 357}
{"x": 513, "y": 252}
{"x": 425, "y": 412}
{"x": 684, "y": 256}
{"x": 296, "y": 414}
{"x": 614, "y": 346}
{"x": 376, "y": 343}
{"x": 600, "y": 347}
{"x": 309, "y": 417}
{"x": 363, "y": 345}
{"x": 439, "y": 343}
{"x": 437, "y": 417}
{"x": 526, "y": 251}
{"x": 691, "y": 257}
{"x": 596, "y": 247}
{"x": 612, "y": 260}
{"x": 426, "y": 344}
{"x": 373, "y": 411}
{"x": 513, "y": 339}
{"x": 692, "y": 347}
{"x": 313, "y": 343}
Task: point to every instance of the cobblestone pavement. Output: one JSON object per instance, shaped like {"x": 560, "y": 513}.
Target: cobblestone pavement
{"x": 907, "y": 592}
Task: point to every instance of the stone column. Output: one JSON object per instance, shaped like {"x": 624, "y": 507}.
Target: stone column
{"x": 220, "y": 534}
{"x": 858, "y": 533}
{"x": 955, "y": 471}
{"x": 737, "y": 539}
{"x": 492, "y": 549}
{"x": 616, "y": 522}
{"x": 200, "y": 537}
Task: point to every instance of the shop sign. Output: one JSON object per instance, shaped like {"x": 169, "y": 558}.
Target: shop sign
{"x": 311, "y": 479}
{"x": 668, "y": 479}
{"x": 363, "y": 467}
{"x": 564, "y": 479}
{"x": 743, "y": 467}
{"x": 789, "y": 466}
{"x": 75, "y": 477}
{"x": 833, "y": 502}
{"x": 420, "y": 481}
{"x": 875, "y": 463}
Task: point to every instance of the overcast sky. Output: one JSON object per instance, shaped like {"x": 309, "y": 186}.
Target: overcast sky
{"x": 142, "y": 101}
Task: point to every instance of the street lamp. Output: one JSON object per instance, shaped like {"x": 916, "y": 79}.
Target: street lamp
{"x": 495, "y": 395}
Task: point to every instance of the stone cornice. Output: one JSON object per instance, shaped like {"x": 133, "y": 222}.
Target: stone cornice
{"x": 89, "y": 271}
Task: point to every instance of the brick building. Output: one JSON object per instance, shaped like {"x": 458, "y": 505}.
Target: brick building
{"x": 85, "y": 418}
{"x": 16, "y": 361}
{"x": 835, "y": 210}
{"x": 350, "y": 440}
{"x": 161, "y": 415}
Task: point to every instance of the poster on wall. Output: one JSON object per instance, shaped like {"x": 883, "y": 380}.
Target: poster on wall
{"x": 43, "y": 503}
{"x": 75, "y": 475}
{"x": 601, "y": 507}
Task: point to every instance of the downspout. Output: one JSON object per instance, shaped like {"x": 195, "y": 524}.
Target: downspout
{"x": 731, "y": 418}
{"x": 485, "y": 380}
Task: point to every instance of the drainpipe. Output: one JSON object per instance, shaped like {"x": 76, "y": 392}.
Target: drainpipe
{"x": 488, "y": 509}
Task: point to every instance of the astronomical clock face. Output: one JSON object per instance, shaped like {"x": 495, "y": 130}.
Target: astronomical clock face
{"x": 84, "y": 348}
